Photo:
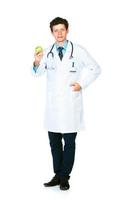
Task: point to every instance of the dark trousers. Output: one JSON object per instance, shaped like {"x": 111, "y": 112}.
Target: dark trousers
{"x": 63, "y": 155}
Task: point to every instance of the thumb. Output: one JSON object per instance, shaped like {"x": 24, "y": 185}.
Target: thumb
{"x": 72, "y": 84}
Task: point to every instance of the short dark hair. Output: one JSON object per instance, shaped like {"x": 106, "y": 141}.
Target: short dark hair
{"x": 58, "y": 20}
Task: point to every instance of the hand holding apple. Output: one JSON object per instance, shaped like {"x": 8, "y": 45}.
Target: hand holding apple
{"x": 38, "y": 55}
{"x": 38, "y": 49}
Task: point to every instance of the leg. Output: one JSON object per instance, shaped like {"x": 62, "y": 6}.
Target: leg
{"x": 56, "y": 150}
{"x": 68, "y": 154}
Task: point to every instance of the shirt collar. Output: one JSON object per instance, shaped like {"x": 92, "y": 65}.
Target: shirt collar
{"x": 64, "y": 45}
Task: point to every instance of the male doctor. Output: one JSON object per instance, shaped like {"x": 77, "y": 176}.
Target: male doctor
{"x": 64, "y": 63}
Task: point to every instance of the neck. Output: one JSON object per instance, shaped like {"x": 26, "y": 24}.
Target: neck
{"x": 60, "y": 43}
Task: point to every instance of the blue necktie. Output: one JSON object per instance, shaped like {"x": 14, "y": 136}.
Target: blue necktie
{"x": 60, "y": 49}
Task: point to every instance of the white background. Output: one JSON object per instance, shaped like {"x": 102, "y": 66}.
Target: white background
{"x": 25, "y": 158}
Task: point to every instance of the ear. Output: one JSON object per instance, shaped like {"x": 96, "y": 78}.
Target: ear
{"x": 52, "y": 34}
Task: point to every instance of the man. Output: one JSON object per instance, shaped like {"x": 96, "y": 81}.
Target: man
{"x": 65, "y": 64}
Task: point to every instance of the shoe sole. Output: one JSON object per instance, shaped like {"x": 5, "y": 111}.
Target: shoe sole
{"x": 50, "y": 185}
{"x": 64, "y": 188}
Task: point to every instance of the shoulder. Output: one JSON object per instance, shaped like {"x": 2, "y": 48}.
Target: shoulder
{"x": 77, "y": 48}
{"x": 47, "y": 49}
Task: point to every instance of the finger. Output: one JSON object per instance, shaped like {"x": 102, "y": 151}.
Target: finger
{"x": 72, "y": 84}
{"x": 74, "y": 89}
{"x": 38, "y": 54}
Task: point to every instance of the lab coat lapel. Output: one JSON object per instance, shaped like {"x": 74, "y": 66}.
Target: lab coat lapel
{"x": 66, "y": 56}
{"x": 56, "y": 56}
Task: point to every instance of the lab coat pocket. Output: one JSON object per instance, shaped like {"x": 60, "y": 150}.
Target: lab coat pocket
{"x": 75, "y": 94}
{"x": 50, "y": 67}
{"x": 77, "y": 100}
{"x": 73, "y": 71}
{"x": 72, "y": 67}
{"x": 50, "y": 73}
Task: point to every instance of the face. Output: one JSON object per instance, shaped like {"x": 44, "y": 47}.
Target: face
{"x": 60, "y": 33}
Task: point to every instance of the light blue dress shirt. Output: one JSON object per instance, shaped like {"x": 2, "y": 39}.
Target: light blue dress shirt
{"x": 64, "y": 46}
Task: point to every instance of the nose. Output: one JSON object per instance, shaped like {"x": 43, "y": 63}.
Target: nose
{"x": 59, "y": 32}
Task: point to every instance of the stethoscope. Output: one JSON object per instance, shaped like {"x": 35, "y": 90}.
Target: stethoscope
{"x": 52, "y": 54}
{"x": 70, "y": 57}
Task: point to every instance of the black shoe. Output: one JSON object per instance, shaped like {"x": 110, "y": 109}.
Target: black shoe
{"x": 55, "y": 181}
{"x": 64, "y": 184}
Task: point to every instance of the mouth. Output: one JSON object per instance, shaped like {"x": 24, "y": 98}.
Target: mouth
{"x": 60, "y": 37}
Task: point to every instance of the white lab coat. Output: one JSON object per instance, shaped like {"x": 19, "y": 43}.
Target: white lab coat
{"x": 64, "y": 107}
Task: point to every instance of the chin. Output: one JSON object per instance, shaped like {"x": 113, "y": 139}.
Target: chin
{"x": 61, "y": 40}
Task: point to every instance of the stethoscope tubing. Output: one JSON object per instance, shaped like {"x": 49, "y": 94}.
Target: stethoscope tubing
{"x": 52, "y": 54}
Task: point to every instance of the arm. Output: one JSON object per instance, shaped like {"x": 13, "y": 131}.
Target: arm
{"x": 91, "y": 70}
{"x": 39, "y": 64}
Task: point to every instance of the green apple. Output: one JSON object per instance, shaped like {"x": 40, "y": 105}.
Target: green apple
{"x": 38, "y": 49}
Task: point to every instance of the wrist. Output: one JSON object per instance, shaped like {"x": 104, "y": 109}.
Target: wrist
{"x": 36, "y": 64}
